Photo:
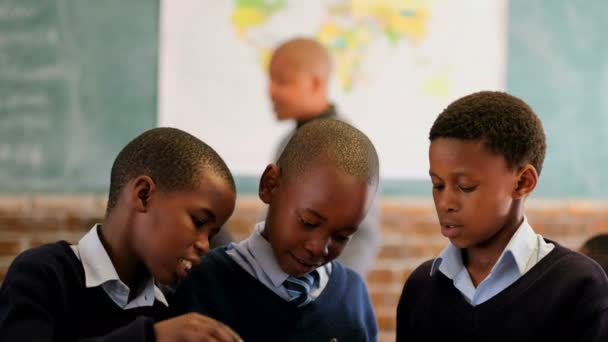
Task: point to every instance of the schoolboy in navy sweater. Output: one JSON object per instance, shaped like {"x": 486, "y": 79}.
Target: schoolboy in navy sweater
{"x": 317, "y": 194}
{"x": 497, "y": 280}
{"x": 169, "y": 192}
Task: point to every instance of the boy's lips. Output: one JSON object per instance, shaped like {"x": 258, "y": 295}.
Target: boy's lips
{"x": 184, "y": 266}
{"x": 449, "y": 229}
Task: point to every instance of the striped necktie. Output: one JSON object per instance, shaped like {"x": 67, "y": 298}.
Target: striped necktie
{"x": 298, "y": 288}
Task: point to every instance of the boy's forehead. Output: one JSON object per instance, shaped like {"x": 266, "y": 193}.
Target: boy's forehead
{"x": 455, "y": 151}
{"x": 321, "y": 188}
{"x": 328, "y": 172}
{"x": 456, "y": 146}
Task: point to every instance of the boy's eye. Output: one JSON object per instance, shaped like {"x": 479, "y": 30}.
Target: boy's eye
{"x": 341, "y": 238}
{"x": 307, "y": 224}
{"x": 467, "y": 188}
{"x": 198, "y": 222}
{"x": 438, "y": 187}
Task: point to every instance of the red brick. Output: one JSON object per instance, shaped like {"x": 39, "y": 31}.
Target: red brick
{"x": 420, "y": 228}
{"x": 27, "y": 224}
{"x": 387, "y": 320}
{"x": 383, "y": 300}
{"x": 66, "y": 205}
{"x": 404, "y": 276}
{"x": 79, "y": 224}
{"x": 9, "y": 248}
{"x": 3, "y": 271}
{"x": 13, "y": 224}
{"x": 380, "y": 276}
{"x": 14, "y": 206}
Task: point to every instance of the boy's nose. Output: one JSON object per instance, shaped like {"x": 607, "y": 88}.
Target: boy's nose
{"x": 446, "y": 202}
{"x": 201, "y": 246}
{"x": 318, "y": 247}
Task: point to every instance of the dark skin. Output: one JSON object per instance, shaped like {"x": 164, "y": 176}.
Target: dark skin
{"x": 152, "y": 232}
{"x": 479, "y": 261}
{"x": 479, "y": 200}
{"x": 115, "y": 242}
{"x": 311, "y": 218}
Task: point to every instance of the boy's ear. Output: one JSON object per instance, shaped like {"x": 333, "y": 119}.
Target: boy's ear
{"x": 527, "y": 178}
{"x": 317, "y": 83}
{"x": 269, "y": 182}
{"x": 143, "y": 188}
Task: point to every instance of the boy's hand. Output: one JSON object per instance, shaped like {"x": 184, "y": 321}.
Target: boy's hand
{"x": 194, "y": 327}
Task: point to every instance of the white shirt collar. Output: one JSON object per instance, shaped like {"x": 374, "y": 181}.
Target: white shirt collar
{"x": 99, "y": 271}
{"x": 519, "y": 250}
{"x": 261, "y": 250}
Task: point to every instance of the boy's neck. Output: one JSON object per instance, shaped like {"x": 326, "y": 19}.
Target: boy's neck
{"x": 479, "y": 260}
{"x": 116, "y": 241}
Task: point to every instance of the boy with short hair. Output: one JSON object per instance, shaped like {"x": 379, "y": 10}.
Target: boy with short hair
{"x": 169, "y": 192}
{"x": 497, "y": 280}
{"x": 299, "y": 73}
{"x": 282, "y": 283}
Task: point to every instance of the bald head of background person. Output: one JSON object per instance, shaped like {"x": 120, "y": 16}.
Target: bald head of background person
{"x": 299, "y": 74}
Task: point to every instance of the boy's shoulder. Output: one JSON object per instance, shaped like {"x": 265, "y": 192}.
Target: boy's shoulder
{"x": 216, "y": 258}
{"x": 571, "y": 263}
{"x": 420, "y": 279}
{"x": 50, "y": 254}
{"x": 52, "y": 263}
{"x": 422, "y": 272}
{"x": 349, "y": 275}
{"x": 215, "y": 266}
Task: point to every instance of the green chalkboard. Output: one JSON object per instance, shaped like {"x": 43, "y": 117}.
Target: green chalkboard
{"x": 558, "y": 63}
{"x": 78, "y": 79}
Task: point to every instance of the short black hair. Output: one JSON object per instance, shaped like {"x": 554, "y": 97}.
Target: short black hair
{"x": 506, "y": 124}
{"x": 597, "y": 249}
{"x": 330, "y": 140}
{"x": 173, "y": 159}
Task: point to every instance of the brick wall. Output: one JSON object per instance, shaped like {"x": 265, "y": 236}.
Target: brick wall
{"x": 410, "y": 233}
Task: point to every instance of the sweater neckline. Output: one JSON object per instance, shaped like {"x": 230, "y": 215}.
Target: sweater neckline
{"x": 332, "y": 284}
{"x": 500, "y": 300}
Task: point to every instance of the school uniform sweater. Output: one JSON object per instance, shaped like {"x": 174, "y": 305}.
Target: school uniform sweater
{"x": 223, "y": 290}
{"x": 44, "y": 297}
{"x": 564, "y": 297}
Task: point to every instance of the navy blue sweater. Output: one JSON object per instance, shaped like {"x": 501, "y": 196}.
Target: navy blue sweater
{"x": 44, "y": 298}
{"x": 222, "y": 289}
{"x": 562, "y": 298}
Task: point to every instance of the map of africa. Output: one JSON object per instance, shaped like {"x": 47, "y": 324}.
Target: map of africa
{"x": 397, "y": 64}
{"x": 348, "y": 29}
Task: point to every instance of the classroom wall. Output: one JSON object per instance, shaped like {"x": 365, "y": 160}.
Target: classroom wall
{"x": 409, "y": 226}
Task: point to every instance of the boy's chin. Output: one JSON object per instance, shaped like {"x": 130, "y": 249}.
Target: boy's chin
{"x": 166, "y": 279}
